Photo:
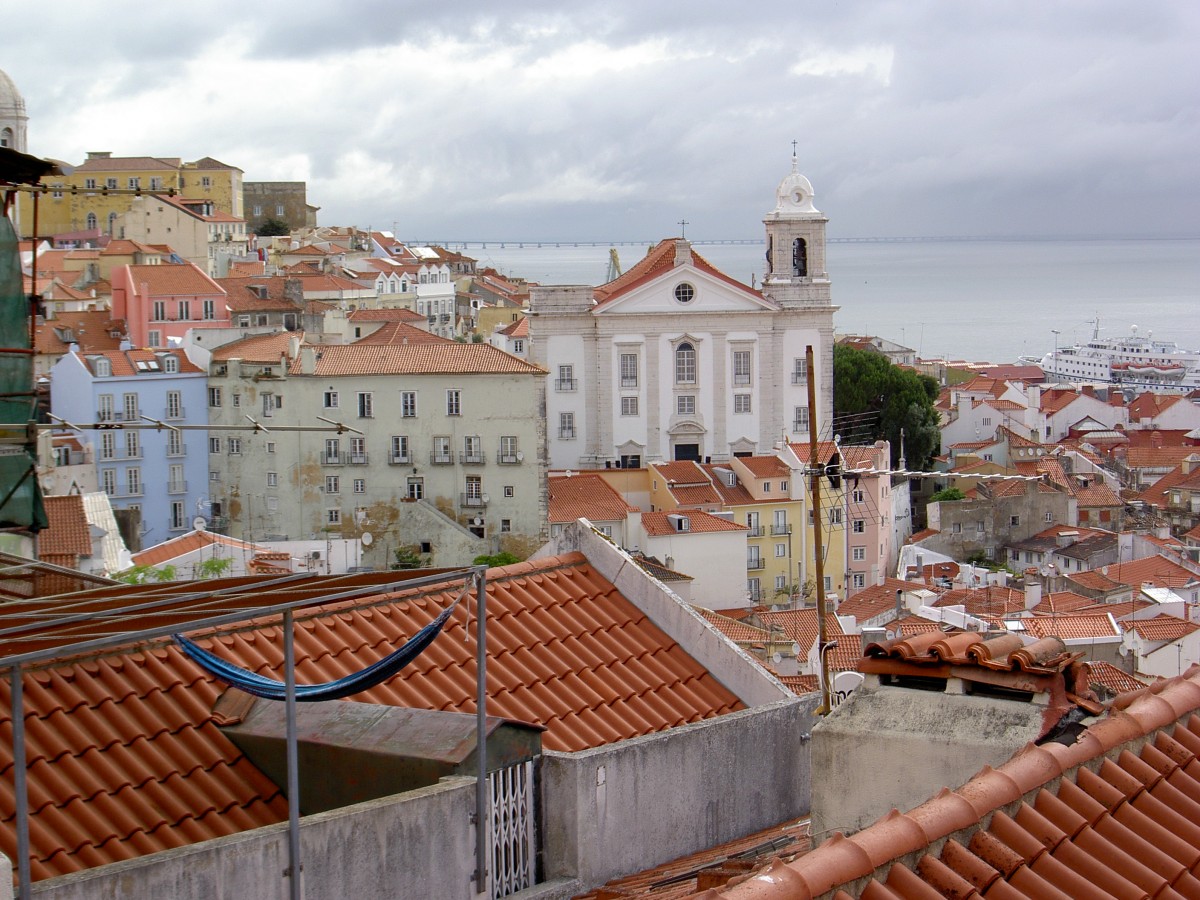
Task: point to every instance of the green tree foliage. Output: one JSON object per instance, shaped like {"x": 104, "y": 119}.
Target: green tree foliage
{"x": 874, "y": 399}
{"x": 496, "y": 559}
{"x": 950, "y": 493}
{"x": 273, "y": 227}
{"x": 409, "y": 558}
{"x": 214, "y": 567}
{"x": 146, "y": 574}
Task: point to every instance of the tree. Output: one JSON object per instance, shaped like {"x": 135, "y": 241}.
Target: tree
{"x": 273, "y": 227}
{"x": 146, "y": 574}
{"x": 874, "y": 400}
{"x": 950, "y": 493}
{"x": 409, "y": 557}
{"x": 496, "y": 559}
{"x": 214, "y": 567}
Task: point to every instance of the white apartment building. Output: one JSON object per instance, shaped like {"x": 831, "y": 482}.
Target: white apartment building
{"x": 675, "y": 360}
{"x": 444, "y": 446}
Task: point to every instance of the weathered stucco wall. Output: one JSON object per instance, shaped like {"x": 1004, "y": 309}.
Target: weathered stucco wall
{"x": 890, "y": 748}
{"x": 637, "y": 803}
{"x": 415, "y": 845}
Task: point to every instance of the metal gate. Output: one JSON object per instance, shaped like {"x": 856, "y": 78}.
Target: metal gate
{"x": 512, "y": 866}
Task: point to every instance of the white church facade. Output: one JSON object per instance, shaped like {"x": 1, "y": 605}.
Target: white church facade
{"x": 676, "y": 360}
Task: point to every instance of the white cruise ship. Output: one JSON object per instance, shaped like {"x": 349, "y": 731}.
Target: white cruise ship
{"x": 1137, "y": 362}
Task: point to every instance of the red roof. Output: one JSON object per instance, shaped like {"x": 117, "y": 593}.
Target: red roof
{"x": 586, "y": 496}
{"x": 660, "y": 259}
{"x": 657, "y": 524}
{"x": 125, "y": 758}
{"x": 68, "y": 533}
{"x": 1111, "y": 814}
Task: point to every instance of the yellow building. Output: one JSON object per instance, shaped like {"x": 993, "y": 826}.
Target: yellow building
{"x": 82, "y": 201}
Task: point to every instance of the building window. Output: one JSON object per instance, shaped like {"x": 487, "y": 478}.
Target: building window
{"x": 780, "y": 550}
{"x": 1049, "y": 517}
{"x": 859, "y": 579}
{"x": 631, "y": 461}
{"x": 272, "y": 479}
{"x": 858, "y": 526}
{"x": 171, "y": 364}
{"x": 505, "y": 526}
{"x": 441, "y": 451}
{"x": 333, "y": 451}
{"x": 799, "y": 371}
{"x": 108, "y": 445}
{"x": 360, "y": 485}
{"x": 1014, "y": 520}
{"x": 279, "y": 209}
{"x": 130, "y": 402}
{"x": 518, "y": 346}
{"x": 566, "y": 425}
{"x": 508, "y": 449}
{"x": 235, "y": 446}
{"x": 333, "y": 484}
{"x": 741, "y": 367}
{"x": 986, "y": 422}
{"x": 134, "y": 182}
{"x": 858, "y": 554}
{"x": 754, "y": 589}
{"x": 270, "y": 446}
{"x": 88, "y": 183}
{"x": 236, "y": 399}
{"x": 685, "y": 364}
{"x": 209, "y": 309}
{"x": 800, "y": 420}
{"x": 174, "y": 443}
{"x": 858, "y": 496}
{"x": 566, "y": 379}
{"x": 205, "y": 181}
{"x": 835, "y": 517}
{"x": 258, "y": 209}
{"x": 416, "y": 488}
{"x": 629, "y": 370}
{"x": 185, "y": 310}
{"x": 685, "y": 404}
{"x": 629, "y": 406}
{"x": 108, "y": 481}
{"x": 214, "y": 445}
{"x": 684, "y": 292}
{"x": 214, "y": 397}
{"x": 408, "y": 404}
{"x": 741, "y": 403}
{"x": 178, "y": 515}
{"x": 358, "y": 451}
{"x": 509, "y": 492}
{"x": 92, "y": 221}
{"x": 472, "y": 449}
{"x": 366, "y": 405}
{"x": 783, "y": 487}
{"x": 766, "y": 487}
{"x": 453, "y": 402}
{"x": 158, "y": 310}
{"x": 474, "y": 486}
{"x": 133, "y": 445}
{"x": 333, "y": 516}
{"x": 399, "y": 452}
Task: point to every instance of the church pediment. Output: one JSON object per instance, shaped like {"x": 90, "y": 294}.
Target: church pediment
{"x": 686, "y": 290}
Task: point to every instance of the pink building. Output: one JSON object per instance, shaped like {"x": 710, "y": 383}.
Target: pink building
{"x": 164, "y": 301}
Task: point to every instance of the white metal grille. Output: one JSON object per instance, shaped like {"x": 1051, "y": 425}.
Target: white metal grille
{"x": 511, "y": 867}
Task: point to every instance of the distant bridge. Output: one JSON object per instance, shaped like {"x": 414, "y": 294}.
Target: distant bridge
{"x": 478, "y": 244}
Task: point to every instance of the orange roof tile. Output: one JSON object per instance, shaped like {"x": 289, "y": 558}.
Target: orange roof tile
{"x": 93, "y": 331}
{"x": 170, "y": 280}
{"x": 68, "y": 533}
{"x": 1110, "y": 814}
{"x": 656, "y": 524}
{"x": 586, "y": 496}
{"x": 683, "y": 471}
{"x": 186, "y": 543}
{"x": 139, "y": 766}
{"x": 876, "y": 599}
{"x": 400, "y": 334}
{"x": 397, "y": 314}
{"x": 1071, "y": 627}
{"x": 1113, "y": 679}
{"x": 695, "y": 495}
{"x": 1160, "y": 628}
{"x": 800, "y": 625}
{"x": 259, "y": 348}
{"x": 737, "y": 631}
{"x": 660, "y": 259}
{"x": 417, "y": 359}
{"x": 766, "y": 466}
{"x": 990, "y": 600}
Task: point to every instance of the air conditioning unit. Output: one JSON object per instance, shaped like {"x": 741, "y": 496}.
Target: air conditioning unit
{"x": 316, "y": 554}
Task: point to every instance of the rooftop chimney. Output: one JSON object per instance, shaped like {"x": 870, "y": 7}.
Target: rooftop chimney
{"x": 683, "y": 252}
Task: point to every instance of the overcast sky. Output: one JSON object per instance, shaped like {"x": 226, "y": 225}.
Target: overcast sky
{"x": 614, "y": 120}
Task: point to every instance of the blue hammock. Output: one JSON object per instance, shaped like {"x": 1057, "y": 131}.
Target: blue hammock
{"x": 270, "y": 689}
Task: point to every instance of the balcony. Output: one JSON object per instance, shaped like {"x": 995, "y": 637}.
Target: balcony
{"x": 399, "y": 459}
{"x": 177, "y": 413}
{"x": 755, "y": 563}
{"x": 472, "y": 457}
{"x": 565, "y": 384}
{"x": 509, "y": 459}
{"x": 755, "y": 531}
{"x": 333, "y": 459}
{"x": 133, "y": 490}
{"x": 358, "y": 459}
{"x": 780, "y": 530}
{"x": 473, "y": 501}
{"x": 441, "y": 458}
{"x": 629, "y": 382}
{"x": 566, "y": 434}
{"x": 177, "y": 487}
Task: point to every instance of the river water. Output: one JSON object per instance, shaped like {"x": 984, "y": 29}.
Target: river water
{"x": 976, "y": 300}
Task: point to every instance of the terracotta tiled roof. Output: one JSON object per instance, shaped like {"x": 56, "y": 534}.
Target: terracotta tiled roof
{"x": 695, "y": 495}
{"x": 656, "y": 524}
{"x": 187, "y": 543}
{"x": 125, "y": 759}
{"x": 1148, "y": 405}
{"x": 800, "y": 684}
{"x": 450, "y": 357}
{"x": 247, "y": 269}
{"x": 845, "y": 656}
{"x": 1176, "y": 480}
{"x": 1111, "y": 678}
{"x": 1060, "y": 602}
{"x": 681, "y": 472}
{"x": 400, "y": 334}
{"x": 1071, "y": 627}
{"x": 586, "y": 496}
{"x": 1108, "y": 815}
{"x": 91, "y": 330}
{"x": 917, "y": 536}
{"x": 1160, "y": 628}
{"x": 737, "y": 631}
{"x": 1096, "y": 494}
{"x": 397, "y": 314}
{"x": 518, "y": 329}
{"x": 991, "y": 600}
{"x": 766, "y": 466}
{"x": 660, "y": 259}
{"x": 1155, "y": 570}
{"x": 876, "y": 599}
{"x": 259, "y": 348}
{"x": 169, "y": 280}
{"x": 800, "y": 625}
{"x": 731, "y": 495}
{"x": 121, "y": 163}
{"x": 125, "y": 362}
{"x": 1157, "y": 457}
{"x": 68, "y": 533}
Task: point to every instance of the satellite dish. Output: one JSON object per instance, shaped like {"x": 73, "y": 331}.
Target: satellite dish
{"x": 199, "y": 523}
{"x": 477, "y": 521}
{"x": 777, "y": 658}
{"x": 367, "y": 538}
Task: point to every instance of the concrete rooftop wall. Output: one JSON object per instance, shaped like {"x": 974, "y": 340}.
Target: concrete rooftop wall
{"x": 631, "y": 805}
{"x": 415, "y": 845}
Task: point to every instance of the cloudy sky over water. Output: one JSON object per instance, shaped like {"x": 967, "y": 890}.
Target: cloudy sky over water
{"x": 615, "y": 120}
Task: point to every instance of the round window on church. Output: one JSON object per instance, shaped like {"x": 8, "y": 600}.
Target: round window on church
{"x": 684, "y": 292}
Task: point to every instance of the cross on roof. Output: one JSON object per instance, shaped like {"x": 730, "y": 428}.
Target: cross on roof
{"x": 683, "y": 224}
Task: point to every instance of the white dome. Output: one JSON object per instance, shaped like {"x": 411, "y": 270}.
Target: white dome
{"x": 11, "y": 101}
{"x": 795, "y": 194}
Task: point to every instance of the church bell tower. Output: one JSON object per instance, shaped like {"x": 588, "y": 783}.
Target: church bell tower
{"x": 795, "y": 276}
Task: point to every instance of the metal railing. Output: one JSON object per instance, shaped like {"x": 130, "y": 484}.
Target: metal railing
{"x": 565, "y": 384}
{"x": 472, "y": 500}
{"x": 755, "y": 531}
{"x": 756, "y": 562}
{"x": 507, "y": 459}
{"x": 177, "y": 487}
{"x": 778, "y": 530}
{"x": 438, "y": 458}
{"x": 472, "y": 458}
{"x": 399, "y": 459}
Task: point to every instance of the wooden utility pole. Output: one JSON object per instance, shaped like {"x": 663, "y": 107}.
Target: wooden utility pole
{"x": 815, "y": 472}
